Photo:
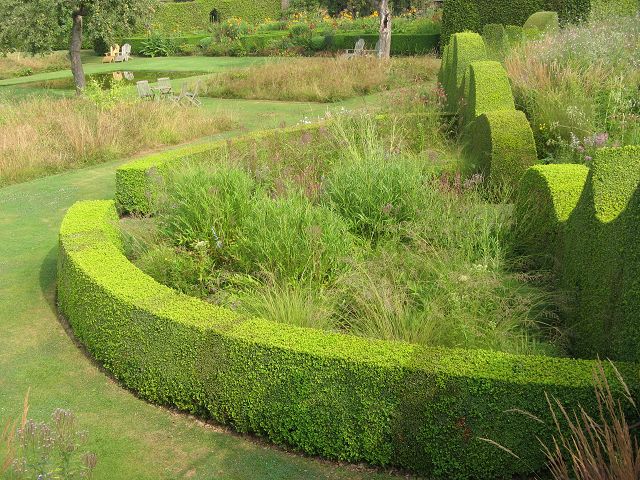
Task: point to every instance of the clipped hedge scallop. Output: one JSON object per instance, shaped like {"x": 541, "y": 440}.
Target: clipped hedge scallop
{"x": 544, "y": 21}
{"x": 498, "y": 138}
{"x": 431, "y": 410}
{"x": 591, "y": 217}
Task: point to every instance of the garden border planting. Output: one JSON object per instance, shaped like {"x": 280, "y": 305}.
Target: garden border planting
{"x": 137, "y": 181}
{"x": 335, "y": 395}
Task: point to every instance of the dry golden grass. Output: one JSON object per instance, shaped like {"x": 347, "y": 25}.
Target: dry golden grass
{"x": 42, "y": 136}
{"x": 20, "y": 64}
{"x": 320, "y": 79}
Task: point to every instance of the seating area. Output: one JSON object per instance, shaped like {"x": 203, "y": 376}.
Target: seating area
{"x": 117, "y": 54}
{"x": 163, "y": 91}
{"x": 359, "y": 50}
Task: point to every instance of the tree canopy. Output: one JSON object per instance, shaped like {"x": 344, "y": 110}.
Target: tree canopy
{"x": 38, "y": 26}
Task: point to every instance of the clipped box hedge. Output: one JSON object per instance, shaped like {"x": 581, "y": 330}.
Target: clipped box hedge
{"x": 592, "y": 217}
{"x": 473, "y": 15}
{"x": 339, "y": 396}
{"x": 498, "y": 140}
{"x": 501, "y": 146}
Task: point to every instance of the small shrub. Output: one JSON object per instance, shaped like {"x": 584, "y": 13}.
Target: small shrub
{"x": 158, "y": 45}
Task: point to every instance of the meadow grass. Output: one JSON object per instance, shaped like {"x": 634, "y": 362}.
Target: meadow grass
{"x": 579, "y": 87}
{"x": 19, "y": 64}
{"x": 40, "y": 136}
{"x": 319, "y": 79}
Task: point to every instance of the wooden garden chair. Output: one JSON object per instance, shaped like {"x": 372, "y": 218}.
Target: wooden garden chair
{"x": 191, "y": 97}
{"x": 124, "y": 55}
{"x": 111, "y": 55}
{"x": 357, "y": 51}
{"x": 144, "y": 90}
{"x": 164, "y": 87}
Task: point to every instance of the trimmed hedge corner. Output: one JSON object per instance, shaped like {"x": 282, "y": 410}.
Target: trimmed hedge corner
{"x": 543, "y": 21}
{"x": 462, "y": 15}
{"x": 339, "y": 396}
{"x": 592, "y": 216}
{"x": 501, "y": 146}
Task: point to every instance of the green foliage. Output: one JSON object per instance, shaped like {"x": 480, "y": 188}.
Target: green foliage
{"x": 193, "y": 17}
{"x": 546, "y": 22}
{"x": 339, "y": 396}
{"x": 292, "y": 239}
{"x": 515, "y": 35}
{"x": 496, "y": 40}
{"x": 461, "y": 15}
{"x": 501, "y": 146}
{"x": 602, "y": 9}
{"x": 375, "y": 195}
{"x": 596, "y": 244}
{"x": 158, "y": 46}
{"x": 106, "y": 98}
{"x": 25, "y": 25}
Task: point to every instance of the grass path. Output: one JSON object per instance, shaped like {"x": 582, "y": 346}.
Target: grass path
{"x": 133, "y": 439}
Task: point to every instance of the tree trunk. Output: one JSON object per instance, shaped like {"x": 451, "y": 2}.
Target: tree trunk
{"x": 385, "y": 29}
{"x": 285, "y": 5}
{"x": 74, "y": 52}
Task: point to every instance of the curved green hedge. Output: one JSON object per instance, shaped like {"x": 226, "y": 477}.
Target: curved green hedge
{"x": 498, "y": 138}
{"x": 587, "y": 219}
{"x": 465, "y": 48}
{"x": 543, "y": 21}
{"x": 546, "y": 197}
{"x": 340, "y": 396}
{"x": 496, "y": 40}
{"x": 462, "y": 15}
{"x": 487, "y": 89}
{"x": 501, "y": 146}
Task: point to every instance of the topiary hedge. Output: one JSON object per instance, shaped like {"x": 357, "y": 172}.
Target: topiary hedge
{"x": 461, "y": 15}
{"x": 501, "y": 146}
{"x": 431, "y": 410}
{"x": 597, "y": 247}
{"x": 498, "y": 138}
{"x": 546, "y": 197}
{"x": 543, "y": 21}
{"x": 487, "y": 88}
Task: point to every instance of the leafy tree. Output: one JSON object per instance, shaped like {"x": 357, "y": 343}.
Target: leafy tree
{"x": 38, "y": 26}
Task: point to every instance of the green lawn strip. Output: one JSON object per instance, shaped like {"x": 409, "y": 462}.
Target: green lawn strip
{"x": 195, "y": 64}
{"x": 133, "y": 439}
